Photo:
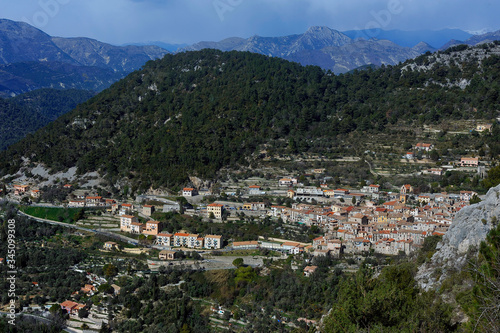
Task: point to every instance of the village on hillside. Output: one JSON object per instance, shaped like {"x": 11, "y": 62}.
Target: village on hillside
{"x": 369, "y": 219}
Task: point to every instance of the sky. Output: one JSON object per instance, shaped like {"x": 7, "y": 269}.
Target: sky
{"x": 190, "y": 21}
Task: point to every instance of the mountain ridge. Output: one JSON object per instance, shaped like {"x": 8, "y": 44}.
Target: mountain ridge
{"x": 321, "y": 46}
{"x": 95, "y": 63}
{"x": 342, "y": 52}
{"x": 194, "y": 113}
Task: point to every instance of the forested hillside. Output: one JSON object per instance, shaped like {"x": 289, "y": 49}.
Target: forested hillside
{"x": 52, "y": 103}
{"x": 196, "y": 112}
{"x": 28, "y": 112}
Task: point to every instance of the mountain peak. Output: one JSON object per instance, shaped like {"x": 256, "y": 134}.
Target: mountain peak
{"x": 318, "y": 28}
{"x": 487, "y": 37}
{"x": 318, "y": 37}
{"x": 423, "y": 47}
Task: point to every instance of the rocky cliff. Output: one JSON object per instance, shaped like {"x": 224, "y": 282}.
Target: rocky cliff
{"x": 469, "y": 229}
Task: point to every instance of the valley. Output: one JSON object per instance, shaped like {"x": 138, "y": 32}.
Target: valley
{"x": 212, "y": 190}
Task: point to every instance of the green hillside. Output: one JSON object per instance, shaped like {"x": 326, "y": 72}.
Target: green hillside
{"x": 28, "y": 112}
{"x": 196, "y": 112}
{"x": 52, "y": 103}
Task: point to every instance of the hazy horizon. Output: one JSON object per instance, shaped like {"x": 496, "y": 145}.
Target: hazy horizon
{"x": 121, "y": 22}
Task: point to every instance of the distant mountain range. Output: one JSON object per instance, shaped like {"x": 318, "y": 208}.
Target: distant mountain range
{"x": 167, "y": 46}
{"x": 344, "y": 51}
{"x": 322, "y": 46}
{"x": 30, "y": 59}
{"x": 411, "y": 38}
{"x": 474, "y": 40}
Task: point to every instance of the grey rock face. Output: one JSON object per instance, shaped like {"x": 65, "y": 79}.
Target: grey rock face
{"x": 469, "y": 229}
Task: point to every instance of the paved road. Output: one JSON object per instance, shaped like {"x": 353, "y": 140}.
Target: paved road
{"x": 67, "y": 225}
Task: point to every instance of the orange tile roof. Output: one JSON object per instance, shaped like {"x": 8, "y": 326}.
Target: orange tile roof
{"x": 69, "y": 304}
{"x": 245, "y": 243}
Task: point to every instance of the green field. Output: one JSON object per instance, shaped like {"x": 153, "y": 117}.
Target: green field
{"x": 65, "y": 215}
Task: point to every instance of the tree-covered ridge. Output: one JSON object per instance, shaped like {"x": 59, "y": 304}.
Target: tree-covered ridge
{"x": 28, "y": 112}
{"x": 15, "y": 119}
{"x": 196, "y": 112}
{"x": 52, "y": 103}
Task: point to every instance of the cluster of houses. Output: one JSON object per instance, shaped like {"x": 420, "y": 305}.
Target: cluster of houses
{"x": 91, "y": 201}
{"x": 23, "y": 189}
{"x": 390, "y": 228}
{"x": 72, "y": 307}
{"x": 427, "y": 147}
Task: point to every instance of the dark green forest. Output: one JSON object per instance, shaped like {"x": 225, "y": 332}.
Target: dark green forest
{"x": 31, "y": 111}
{"x": 194, "y": 113}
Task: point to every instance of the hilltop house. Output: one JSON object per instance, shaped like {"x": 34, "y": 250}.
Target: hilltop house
{"x": 148, "y": 210}
{"x": 167, "y": 255}
{"x": 71, "y": 307}
{"x": 424, "y": 146}
{"x": 152, "y": 228}
{"x": 189, "y": 192}
{"x": 164, "y": 239}
{"x": 213, "y": 242}
{"x": 110, "y": 246}
{"x": 484, "y": 127}
{"x": 126, "y": 222}
{"x": 180, "y": 239}
{"x": 20, "y": 189}
{"x": 216, "y": 209}
{"x": 93, "y": 201}
{"x": 254, "y": 190}
{"x": 467, "y": 195}
{"x": 469, "y": 161}
{"x": 308, "y": 270}
{"x": 136, "y": 228}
